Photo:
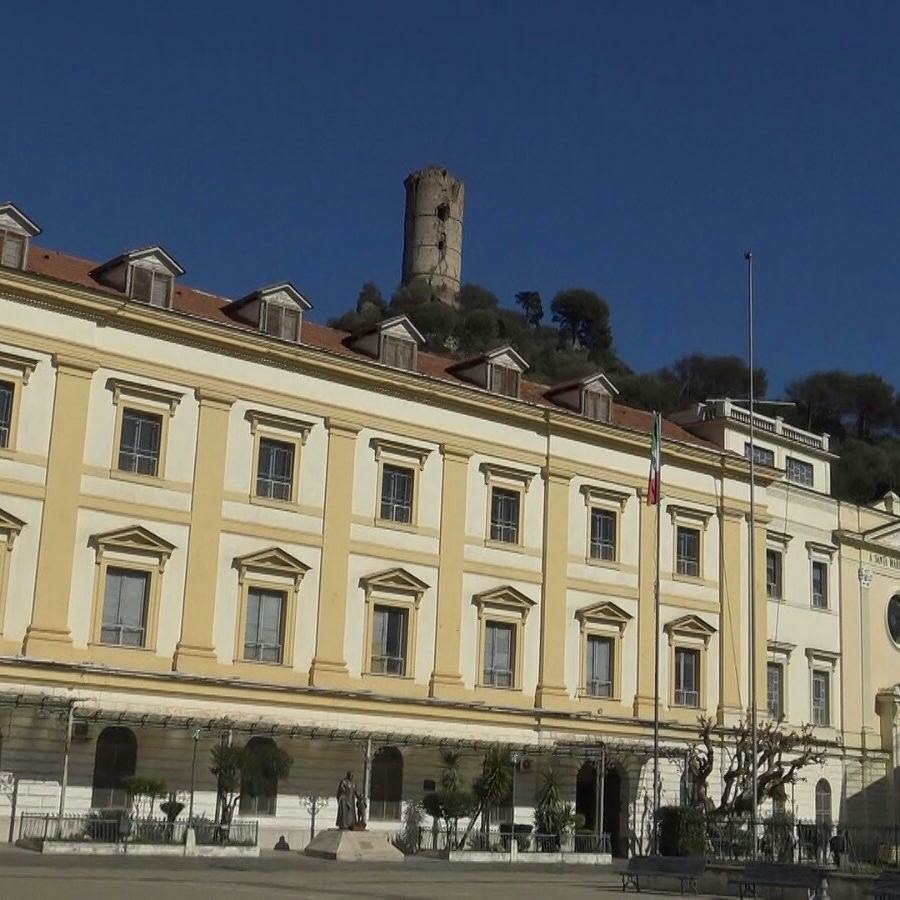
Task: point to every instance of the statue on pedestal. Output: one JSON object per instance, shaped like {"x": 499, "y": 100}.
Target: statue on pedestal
{"x": 351, "y": 806}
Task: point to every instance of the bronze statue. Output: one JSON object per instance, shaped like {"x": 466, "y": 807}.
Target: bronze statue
{"x": 348, "y": 799}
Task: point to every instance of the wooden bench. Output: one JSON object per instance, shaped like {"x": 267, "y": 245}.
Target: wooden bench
{"x": 767, "y": 874}
{"x": 687, "y": 869}
{"x": 885, "y": 887}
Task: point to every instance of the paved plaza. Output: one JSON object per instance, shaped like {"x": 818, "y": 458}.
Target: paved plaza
{"x": 28, "y": 876}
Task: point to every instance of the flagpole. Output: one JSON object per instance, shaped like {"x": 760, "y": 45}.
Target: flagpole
{"x": 752, "y": 554}
{"x": 658, "y": 425}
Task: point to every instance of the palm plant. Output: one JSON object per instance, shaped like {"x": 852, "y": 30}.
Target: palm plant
{"x": 492, "y": 786}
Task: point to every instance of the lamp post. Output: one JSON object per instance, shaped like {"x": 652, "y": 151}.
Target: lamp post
{"x": 196, "y": 737}
{"x": 515, "y": 757}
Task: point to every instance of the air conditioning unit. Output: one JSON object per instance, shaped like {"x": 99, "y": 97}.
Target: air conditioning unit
{"x": 80, "y": 731}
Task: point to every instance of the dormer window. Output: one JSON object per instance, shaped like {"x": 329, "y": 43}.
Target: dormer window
{"x": 16, "y": 230}
{"x": 393, "y": 342}
{"x": 504, "y": 380}
{"x": 276, "y": 311}
{"x": 151, "y": 287}
{"x": 280, "y": 321}
{"x": 399, "y": 352}
{"x": 591, "y": 397}
{"x": 498, "y": 371}
{"x": 147, "y": 276}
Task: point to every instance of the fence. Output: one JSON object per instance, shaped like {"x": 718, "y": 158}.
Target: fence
{"x": 113, "y": 829}
{"x": 840, "y": 846}
{"x": 526, "y": 841}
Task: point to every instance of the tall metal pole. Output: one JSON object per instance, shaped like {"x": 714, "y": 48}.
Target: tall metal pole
{"x": 196, "y": 737}
{"x": 655, "y": 842}
{"x": 64, "y": 783}
{"x": 753, "y": 724}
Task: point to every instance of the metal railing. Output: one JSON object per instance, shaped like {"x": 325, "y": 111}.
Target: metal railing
{"x": 841, "y": 846}
{"x": 525, "y": 841}
{"x": 106, "y": 828}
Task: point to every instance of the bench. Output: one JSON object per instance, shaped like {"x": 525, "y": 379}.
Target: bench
{"x": 885, "y": 887}
{"x": 767, "y": 874}
{"x": 687, "y": 869}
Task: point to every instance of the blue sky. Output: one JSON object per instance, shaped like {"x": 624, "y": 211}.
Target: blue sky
{"x": 633, "y": 148}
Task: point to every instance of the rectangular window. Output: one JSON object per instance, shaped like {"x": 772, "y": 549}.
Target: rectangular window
{"x": 12, "y": 250}
{"x": 281, "y": 321}
{"x": 6, "y": 402}
{"x": 595, "y": 405}
{"x": 139, "y": 443}
{"x": 599, "y": 681}
{"x": 505, "y": 515}
{"x": 775, "y": 691}
{"x": 264, "y": 630}
{"x": 603, "y": 534}
{"x": 398, "y": 352}
{"x": 499, "y": 654}
{"x": 773, "y": 574}
{"x": 150, "y": 287}
{"x": 762, "y": 456}
{"x": 275, "y": 470}
{"x": 798, "y": 471}
{"x": 396, "y": 494}
{"x": 687, "y": 677}
{"x": 819, "y": 585}
{"x": 821, "y": 702}
{"x": 688, "y": 551}
{"x": 389, "y": 640}
{"x": 504, "y": 380}
{"x": 125, "y": 608}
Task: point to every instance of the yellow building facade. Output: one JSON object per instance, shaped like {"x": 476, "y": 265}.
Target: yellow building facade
{"x": 219, "y": 520}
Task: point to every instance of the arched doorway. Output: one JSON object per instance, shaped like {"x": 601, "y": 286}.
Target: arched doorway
{"x": 586, "y": 791}
{"x": 612, "y": 811}
{"x": 823, "y": 802}
{"x": 386, "y": 787}
{"x": 115, "y": 759}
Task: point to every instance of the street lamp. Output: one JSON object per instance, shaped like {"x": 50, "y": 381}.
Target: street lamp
{"x": 196, "y": 737}
{"x": 515, "y": 757}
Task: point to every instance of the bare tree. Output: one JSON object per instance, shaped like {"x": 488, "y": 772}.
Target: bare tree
{"x": 780, "y": 758}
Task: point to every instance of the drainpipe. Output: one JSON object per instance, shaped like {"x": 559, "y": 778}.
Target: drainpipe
{"x": 68, "y": 745}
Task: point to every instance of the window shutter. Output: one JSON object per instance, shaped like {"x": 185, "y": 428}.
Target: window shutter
{"x": 141, "y": 284}
{"x": 159, "y": 294}
{"x": 12, "y": 249}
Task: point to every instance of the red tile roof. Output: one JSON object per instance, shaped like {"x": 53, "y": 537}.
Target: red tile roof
{"x": 72, "y": 270}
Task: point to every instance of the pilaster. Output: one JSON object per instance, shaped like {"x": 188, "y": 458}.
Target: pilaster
{"x": 551, "y": 690}
{"x": 446, "y": 680}
{"x": 731, "y": 591}
{"x": 329, "y": 667}
{"x": 195, "y": 651}
{"x": 48, "y": 634}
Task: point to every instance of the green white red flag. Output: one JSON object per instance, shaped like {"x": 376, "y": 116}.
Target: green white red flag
{"x": 653, "y": 483}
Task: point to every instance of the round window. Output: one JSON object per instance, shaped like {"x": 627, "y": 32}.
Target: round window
{"x": 893, "y": 618}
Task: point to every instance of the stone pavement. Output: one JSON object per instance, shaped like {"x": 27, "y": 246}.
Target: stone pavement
{"x": 25, "y": 875}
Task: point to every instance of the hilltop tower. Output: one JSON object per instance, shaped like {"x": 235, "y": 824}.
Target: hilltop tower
{"x": 432, "y": 231}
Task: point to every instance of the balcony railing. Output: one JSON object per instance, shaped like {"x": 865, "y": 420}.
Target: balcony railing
{"x": 719, "y": 409}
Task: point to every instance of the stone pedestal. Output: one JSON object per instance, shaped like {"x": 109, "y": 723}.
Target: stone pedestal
{"x": 353, "y": 846}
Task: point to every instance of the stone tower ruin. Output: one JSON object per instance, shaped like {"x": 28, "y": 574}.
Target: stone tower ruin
{"x": 432, "y": 231}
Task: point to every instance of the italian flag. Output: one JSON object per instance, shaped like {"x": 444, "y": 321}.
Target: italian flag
{"x": 653, "y": 482}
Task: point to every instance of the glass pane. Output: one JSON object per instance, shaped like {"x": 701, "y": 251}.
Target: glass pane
{"x": 504, "y": 515}
{"x": 6, "y": 398}
{"x": 499, "y": 654}
{"x": 599, "y": 673}
{"x": 396, "y": 494}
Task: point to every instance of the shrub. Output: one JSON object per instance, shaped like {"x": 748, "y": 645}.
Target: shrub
{"x": 681, "y": 830}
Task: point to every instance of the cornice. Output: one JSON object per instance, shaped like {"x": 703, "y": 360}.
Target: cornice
{"x": 116, "y": 311}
